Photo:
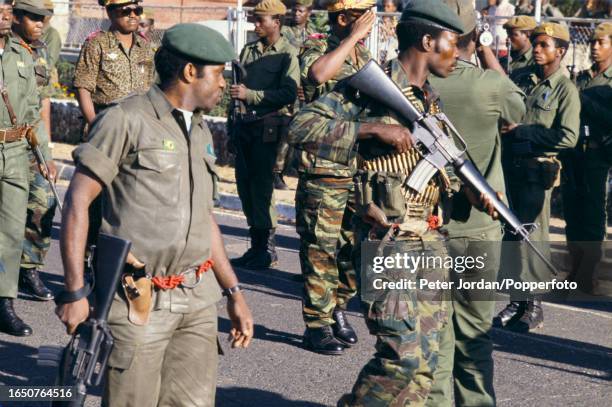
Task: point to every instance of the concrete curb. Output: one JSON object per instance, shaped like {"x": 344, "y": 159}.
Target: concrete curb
{"x": 226, "y": 201}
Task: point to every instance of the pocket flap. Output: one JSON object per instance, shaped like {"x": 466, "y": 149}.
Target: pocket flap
{"x": 157, "y": 160}
{"x": 121, "y": 356}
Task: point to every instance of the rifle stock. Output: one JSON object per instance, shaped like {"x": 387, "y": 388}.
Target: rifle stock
{"x": 438, "y": 148}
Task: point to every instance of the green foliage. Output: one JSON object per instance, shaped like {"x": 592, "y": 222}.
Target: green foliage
{"x": 222, "y": 108}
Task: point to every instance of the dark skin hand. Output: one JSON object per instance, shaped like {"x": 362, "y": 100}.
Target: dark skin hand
{"x": 483, "y": 203}
{"x": 394, "y": 135}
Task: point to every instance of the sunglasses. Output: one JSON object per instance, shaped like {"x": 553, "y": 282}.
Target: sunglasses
{"x": 127, "y": 11}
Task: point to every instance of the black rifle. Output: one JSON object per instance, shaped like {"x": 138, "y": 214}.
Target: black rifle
{"x": 237, "y": 117}
{"x": 438, "y": 148}
{"x": 572, "y": 68}
{"x": 84, "y": 359}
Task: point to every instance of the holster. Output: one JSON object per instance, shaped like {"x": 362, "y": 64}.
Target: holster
{"x": 138, "y": 290}
{"x": 383, "y": 189}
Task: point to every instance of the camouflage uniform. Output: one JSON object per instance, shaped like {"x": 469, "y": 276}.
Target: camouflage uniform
{"x": 296, "y": 35}
{"x": 406, "y": 325}
{"x": 324, "y": 207}
{"x": 111, "y": 72}
{"x": 41, "y": 202}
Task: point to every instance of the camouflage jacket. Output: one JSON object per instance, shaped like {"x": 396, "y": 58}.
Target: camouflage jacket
{"x": 596, "y": 97}
{"x": 317, "y": 46}
{"x": 297, "y": 36}
{"x": 109, "y": 71}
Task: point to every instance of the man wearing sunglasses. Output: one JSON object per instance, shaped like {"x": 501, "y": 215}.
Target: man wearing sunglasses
{"x": 28, "y": 26}
{"x": 113, "y": 63}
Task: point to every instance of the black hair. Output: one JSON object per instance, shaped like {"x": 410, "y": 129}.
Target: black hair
{"x": 169, "y": 66}
{"x": 410, "y": 34}
{"x": 561, "y": 44}
{"x": 332, "y": 16}
{"x": 280, "y": 18}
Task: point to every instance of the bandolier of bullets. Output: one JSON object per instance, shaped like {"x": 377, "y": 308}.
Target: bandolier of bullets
{"x": 404, "y": 163}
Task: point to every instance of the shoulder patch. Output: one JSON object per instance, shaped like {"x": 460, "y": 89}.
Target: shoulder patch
{"x": 93, "y": 35}
{"x": 317, "y": 36}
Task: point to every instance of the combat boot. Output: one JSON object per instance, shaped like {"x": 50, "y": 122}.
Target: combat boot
{"x": 265, "y": 255}
{"x": 533, "y": 318}
{"x": 279, "y": 182}
{"x": 10, "y": 323}
{"x": 30, "y": 282}
{"x": 321, "y": 340}
{"x": 343, "y": 331}
{"x": 250, "y": 253}
{"x": 511, "y": 313}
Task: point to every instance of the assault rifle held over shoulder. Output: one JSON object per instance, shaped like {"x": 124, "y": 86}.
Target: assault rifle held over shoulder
{"x": 437, "y": 147}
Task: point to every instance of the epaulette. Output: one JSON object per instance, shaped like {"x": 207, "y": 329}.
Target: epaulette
{"x": 26, "y": 46}
{"x": 317, "y": 36}
{"x": 144, "y": 37}
{"x": 93, "y": 35}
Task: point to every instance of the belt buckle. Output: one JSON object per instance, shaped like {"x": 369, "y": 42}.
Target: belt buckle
{"x": 198, "y": 278}
{"x": 3, "y": 132}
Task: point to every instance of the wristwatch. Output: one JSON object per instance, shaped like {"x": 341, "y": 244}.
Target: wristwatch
{"x": 231, "y": 291}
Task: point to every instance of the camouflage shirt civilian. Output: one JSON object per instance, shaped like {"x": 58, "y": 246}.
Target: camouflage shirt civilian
{"x": 109, "y": 71}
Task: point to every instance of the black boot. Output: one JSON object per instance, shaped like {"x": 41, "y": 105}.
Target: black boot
{"x": 322, "y": 340}
{"x": 279, "y": 182}
{"x": 255, "y": 241}
{"x": 265, "y": 255}
{"x": 10, "y": 323}
{"x": 343, "y": 331}
{"x": 533, "y": 318}
{"x": 511, "y": 313}
{"x": 30, "y": 282}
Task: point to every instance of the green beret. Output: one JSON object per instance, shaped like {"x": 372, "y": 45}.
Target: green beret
{"x": 434, "y": 13}
{"x": 305, "y": 3}
{"x": 198, "y": 44}
{"x": 603, "y": 30}
{"x": 553, "y": 30}
{"x": 32, "y": 6}
{"x": 270, "y": 8}
{"x": 523, "y": 23}
{"x": 466, "y": 12}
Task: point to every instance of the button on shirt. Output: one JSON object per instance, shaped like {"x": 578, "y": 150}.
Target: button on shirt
{"x": 159, "y": 190}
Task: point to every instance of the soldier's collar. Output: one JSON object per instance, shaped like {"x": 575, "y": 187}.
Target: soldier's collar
{"x": 608, "y": 72}
{"x": 261, "y": 46}
{"x": 161, "y": 104}
{"x": 137, "y": 39}
{"x": 400, "y": 77}
{"x": 551, "y": 81}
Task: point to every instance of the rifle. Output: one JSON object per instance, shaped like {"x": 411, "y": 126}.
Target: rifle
{"x": 437, "y": 147}
{"x": 33, "y": 142}
{"x": 237, "y": 116}
{"x": 509, "y": 56}
{"x": 83, "y": 361}
{"x": 572, "y": 68}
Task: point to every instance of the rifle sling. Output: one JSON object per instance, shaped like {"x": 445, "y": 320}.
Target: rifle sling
{"x": 9, "y": 107}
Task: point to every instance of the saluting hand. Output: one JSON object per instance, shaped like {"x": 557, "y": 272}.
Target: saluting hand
{"x": 361, "y": 28}
{"x": 239, "y": 313}
{"x": 238, "y": 92}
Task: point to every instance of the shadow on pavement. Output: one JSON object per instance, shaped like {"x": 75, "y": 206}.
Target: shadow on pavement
{"x": 265, "y": 334}
{"x": 242, "y": 396}
{"x": 287, "y": 242}
{"x": 555, "y": 349}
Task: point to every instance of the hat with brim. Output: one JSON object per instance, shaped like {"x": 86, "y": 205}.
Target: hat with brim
{"x": 113, "y": 3}
{"x": 603, "y": 30}
{"x": 32, "y": 6}
{"x": 434, "y": 13}
{"x": 522, "y": 23}
{"x": 344, "y": 5}
{"x": 198, "y": 44}
{"x": 270, "y": 8}
{"x": 553, "y": 30}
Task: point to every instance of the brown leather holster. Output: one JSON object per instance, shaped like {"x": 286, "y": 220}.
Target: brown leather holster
{"x": 138, "y": 290}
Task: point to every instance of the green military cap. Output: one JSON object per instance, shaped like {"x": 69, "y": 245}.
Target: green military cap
{"x": 305, "y": 3}
{"x": 198, "y": 44}
{"x": 553, "y": 30}
{"x": 434, "y": 13}
{"x": 603, "y": 30}
{"x": 270, "y": 8}
{"x": 523, "y": 23}
{"x": 466, "y": 12}
{"x": 6, "y": 2}
{"x": 343, "y": 5}
{"x": 49, "y": 5}
{"x": 32, "y": 6}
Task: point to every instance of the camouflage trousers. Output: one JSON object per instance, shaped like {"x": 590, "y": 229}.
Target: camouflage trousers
{"x": 324, "y": 210}
{"x": 39, "y": 222}
{"x": 407, "y": 325}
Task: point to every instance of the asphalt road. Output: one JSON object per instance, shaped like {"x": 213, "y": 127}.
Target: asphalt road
{"x": 567, "y": 363}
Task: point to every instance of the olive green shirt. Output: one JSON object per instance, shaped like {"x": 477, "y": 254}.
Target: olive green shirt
{"x": 51, "y": 37}
{"x": 317, "y": 47}
{"x": 596, "y": 98}
{"x": 159, "y": 190}
{"x": 491, "y": 97}
{"x": 552, "y": 120}
{"x": 518, "y": 63}
{"x": 272, "y": 77}
{"x": 17, "y": 76}
{"x": 109, "y": 71}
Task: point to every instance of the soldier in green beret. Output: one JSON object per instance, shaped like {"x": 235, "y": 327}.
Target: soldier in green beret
{"x": 28, "y": 25}
{"x": 18, "y": 80}
{"x": 551, "y": 125}
{"x": 153, "y": 156}
{"x": 584, "y": 193}
{"x": 269, "y": 93}
{"x": 519, "y": 31}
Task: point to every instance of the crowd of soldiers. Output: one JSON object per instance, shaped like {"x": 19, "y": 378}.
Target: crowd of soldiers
{"x": 147, "y": 173}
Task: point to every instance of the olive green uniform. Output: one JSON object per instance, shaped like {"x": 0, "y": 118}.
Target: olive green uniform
{"x": 407, "y": 328}
{"x": 518, "y": 63}
{"x": 465, "y": 344}
{"x": 272, "y": 81}
{"x": 551, "y": 124}
{"x": 324, "y": 206}
{"x": 41, "y": 202}
{"x": 17, "y": 75}
{"x": 159, "y": 183}
{"x": 587, "y": 166}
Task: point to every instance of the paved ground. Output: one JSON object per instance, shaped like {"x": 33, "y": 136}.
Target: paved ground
{"x": 567, "y": 363}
